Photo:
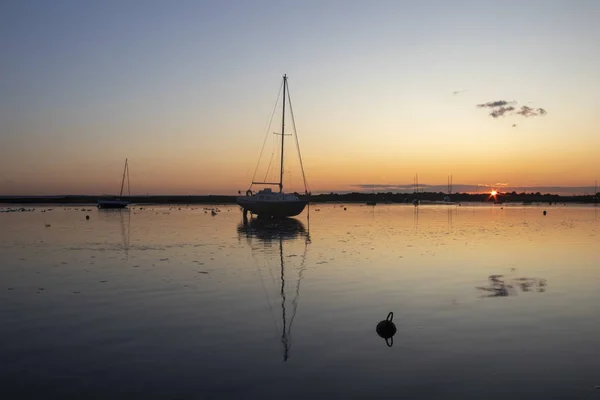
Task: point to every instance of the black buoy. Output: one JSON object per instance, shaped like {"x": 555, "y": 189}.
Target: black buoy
{"x": 87, "y": 217}
{"x": 386, "y": 329}
{"x": 544, "y": 212}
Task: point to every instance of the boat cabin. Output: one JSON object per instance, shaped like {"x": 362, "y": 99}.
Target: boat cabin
{"x": 268, "y": 195}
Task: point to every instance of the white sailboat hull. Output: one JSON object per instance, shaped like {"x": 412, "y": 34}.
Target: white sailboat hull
{"x": 272, "y": 208}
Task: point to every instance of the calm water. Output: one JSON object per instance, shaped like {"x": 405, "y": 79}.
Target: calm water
{"x": 165, "y": 302}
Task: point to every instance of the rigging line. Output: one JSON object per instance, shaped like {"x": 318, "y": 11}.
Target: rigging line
{"x": 122, "y": 220}
{"x": 273, "y": 280}
{"x": 295, "y": 300}
{"x": 128, "y": 229}
{"x": 272, "y": 276}
{"x": 308, "y": 223}
{"x": 268, "y": 269}
{"x": 271, "y": 160}
{"x": 306, "y": 187}
{"x": 267, "y": 134}
{"x": 300, "y": 276}
{"x": 266, "y": 293}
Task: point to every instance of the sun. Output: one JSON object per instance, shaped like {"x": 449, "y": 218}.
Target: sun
{"x": 493, "y": 192}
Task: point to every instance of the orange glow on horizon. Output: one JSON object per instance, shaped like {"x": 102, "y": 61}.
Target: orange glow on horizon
{"x": 493, "y": 193}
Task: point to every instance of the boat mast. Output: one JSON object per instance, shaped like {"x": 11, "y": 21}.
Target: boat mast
{"x": 282, "y": 135}
{"x": 123, "y": 180}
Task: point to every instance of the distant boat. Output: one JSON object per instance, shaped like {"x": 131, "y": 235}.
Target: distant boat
{"x": 118, "y": 202}
{"x": 269, "y": 204}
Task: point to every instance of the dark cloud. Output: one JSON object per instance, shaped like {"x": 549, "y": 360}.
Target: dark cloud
{"x": 500, "y": 111}
{"x": 498, "y": 103}
{"x": 500, "y": 108}
{"x": 531, "y": 112}
{"x": 527, "y": 111}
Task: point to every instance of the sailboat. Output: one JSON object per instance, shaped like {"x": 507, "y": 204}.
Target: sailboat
{"x": 118, "y": 202}
{"x": 269, "y": 204}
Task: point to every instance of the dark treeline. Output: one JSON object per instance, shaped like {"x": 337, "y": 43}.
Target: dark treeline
{"x": 512, "y": 197}
{"x": 319, "y": 198}
{"x": 75, "y": 199}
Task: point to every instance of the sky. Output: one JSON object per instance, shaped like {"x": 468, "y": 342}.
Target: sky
{"x": 381, "y": 91}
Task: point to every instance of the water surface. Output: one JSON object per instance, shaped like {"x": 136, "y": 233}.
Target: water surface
{"x": 172, "y": 302}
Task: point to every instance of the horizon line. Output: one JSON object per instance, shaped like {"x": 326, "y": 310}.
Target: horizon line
{"x": 383, "y": 188}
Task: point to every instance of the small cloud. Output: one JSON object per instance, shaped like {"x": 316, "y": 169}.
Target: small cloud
{"x": 459, "y": 92}
{"x": 497, "y": 103}
{"x": 494, "y": 185}
{"x": 500, "y": 108}
{"x": 500, "y": 111}
{"x": 527, "y": 111}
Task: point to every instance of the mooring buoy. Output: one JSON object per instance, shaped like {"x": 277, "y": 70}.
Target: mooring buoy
{"x": 386, "y": 329}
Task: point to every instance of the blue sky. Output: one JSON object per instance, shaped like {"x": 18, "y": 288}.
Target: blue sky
{"x": 184, "y": 89}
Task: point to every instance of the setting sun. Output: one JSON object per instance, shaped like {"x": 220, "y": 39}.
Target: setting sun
{"x": 493, "y": 192}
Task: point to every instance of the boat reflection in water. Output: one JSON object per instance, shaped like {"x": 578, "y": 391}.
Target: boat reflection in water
{"x": 268, "y": 232}
{"x": 123, "y": 215}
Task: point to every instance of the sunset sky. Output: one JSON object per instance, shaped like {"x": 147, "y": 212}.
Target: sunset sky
{"x": 381, "y": 91}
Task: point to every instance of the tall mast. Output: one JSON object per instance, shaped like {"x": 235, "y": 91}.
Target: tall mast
{"x": 282, "y": 134}
{"x": 123, "y": 180}
{"x": 128, "y": 182}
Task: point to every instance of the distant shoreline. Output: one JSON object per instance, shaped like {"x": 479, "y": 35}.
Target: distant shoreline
{"x": 319, "y": 198}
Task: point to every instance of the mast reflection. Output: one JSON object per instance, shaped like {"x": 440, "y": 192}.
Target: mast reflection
{"x": 269, "y": 232}
{"x": 416, "y": 218}
{"x": 124, "y": 217}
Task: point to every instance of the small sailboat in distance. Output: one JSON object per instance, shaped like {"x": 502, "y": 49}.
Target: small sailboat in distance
{"x": 118, "y": 202}
{"x": 269, "y": 204}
